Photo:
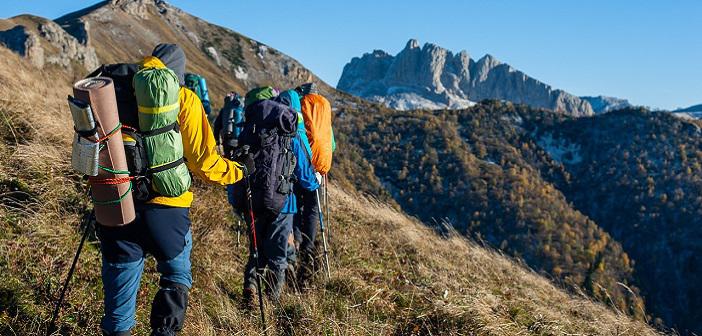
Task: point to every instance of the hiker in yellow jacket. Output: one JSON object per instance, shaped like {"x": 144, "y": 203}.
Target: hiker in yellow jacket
{"x": 162, "y": 226}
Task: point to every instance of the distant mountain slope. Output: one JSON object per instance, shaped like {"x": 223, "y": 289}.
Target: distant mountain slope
{"x": 694, "y": 108}
{"x": 126, "y": 30}
{"x": 523, "y": 180}
{"x": 640, "y": 178}
{"x": 432, "y": 77}
{"x": 603, "y": 104}
{"x": 692, "y": 112}
{"x": 44, "y": 42}
{"x": 479, "y": 170}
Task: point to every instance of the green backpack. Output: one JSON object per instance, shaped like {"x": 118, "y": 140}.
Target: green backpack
{"x": 260, "y": 93}
{"x": 157, "y": 95}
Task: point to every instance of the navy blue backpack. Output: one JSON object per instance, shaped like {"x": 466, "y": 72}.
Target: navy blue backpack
{"x": 268, "y": 131}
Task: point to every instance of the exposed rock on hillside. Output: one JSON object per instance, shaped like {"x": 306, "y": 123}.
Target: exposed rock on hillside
{"x": 44, "y": 42}
{"x": 603, "y": 104}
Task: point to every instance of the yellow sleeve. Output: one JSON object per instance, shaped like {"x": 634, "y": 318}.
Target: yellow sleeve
{"x": 199, "y": 147}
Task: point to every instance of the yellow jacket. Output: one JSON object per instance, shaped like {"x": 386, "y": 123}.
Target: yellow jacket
{"x": 199, "y": 147}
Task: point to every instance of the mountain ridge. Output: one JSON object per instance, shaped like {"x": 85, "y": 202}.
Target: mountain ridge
{"x": 433, "y": 77}
{"x": 693, "y": 108}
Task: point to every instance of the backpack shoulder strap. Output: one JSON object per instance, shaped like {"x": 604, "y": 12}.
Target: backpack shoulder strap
{"x": 302, "y": 144}
{"x": 97, "y": 72}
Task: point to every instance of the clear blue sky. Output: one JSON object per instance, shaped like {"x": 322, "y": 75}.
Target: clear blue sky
{"x": 647, "y": 51}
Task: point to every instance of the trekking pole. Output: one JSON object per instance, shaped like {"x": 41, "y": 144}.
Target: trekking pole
{"x": 324, "y": 238}
{"x": 255, "y": 251}
{"x": 326, "y": 204}
{"x": 238, "y": 233}
{"x": 85, "y": 221}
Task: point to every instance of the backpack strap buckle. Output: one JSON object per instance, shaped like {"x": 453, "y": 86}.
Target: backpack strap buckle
{"x": 154, "y": 132}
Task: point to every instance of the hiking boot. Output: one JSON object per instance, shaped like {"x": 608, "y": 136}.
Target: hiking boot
{"x": 119, "y": 333}
{"x": 248, "y": 302}
{"x": 305, "y": 272}
{"x": 163, "y": 332}
{"x": 275, "y": 281}
{"x": 291, "y": 275}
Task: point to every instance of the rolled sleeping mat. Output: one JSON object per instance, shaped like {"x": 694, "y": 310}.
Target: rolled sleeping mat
{"x": 113, "y": 202}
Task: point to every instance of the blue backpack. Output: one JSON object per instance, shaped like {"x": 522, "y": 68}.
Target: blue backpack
{"x": 230, "y": 121}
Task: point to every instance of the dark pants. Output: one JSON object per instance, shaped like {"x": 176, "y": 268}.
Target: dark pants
{"x": 305, "y": 226}
{"x": 272, "y": 237}
{"x": 163, "y": 232}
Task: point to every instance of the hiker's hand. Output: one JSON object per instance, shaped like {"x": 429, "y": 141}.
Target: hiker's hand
{"x": 248, "y": 162}
{"x": 319, "y": 177}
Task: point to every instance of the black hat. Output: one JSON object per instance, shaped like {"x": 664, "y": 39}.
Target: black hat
{"x": 173, "y": 57}
{"x": 306, "y": 89}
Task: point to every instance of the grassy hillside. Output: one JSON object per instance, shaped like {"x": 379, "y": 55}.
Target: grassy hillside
{"x": 392, "y": 275}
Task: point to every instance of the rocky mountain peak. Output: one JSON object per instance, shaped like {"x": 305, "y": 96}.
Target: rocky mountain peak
{"x": 429, "y": 47}
{"x": 483, "y": 67}
{"x": 412, "y": 44}
{"x": 489, "y": 61}
{"x": 433, "y": 77}
{"x": 138, "y": 8}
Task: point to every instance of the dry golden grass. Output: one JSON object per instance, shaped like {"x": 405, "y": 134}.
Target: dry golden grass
{"x": 391, "y": 274}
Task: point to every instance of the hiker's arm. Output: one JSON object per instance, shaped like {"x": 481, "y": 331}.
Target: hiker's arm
{"x": 199, "y": 147}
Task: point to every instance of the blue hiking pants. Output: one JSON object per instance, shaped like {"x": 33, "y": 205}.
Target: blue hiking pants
{"x": 272, "y": 236}
{"x": 305, "y": 225}
{"x": 163, "y": 232}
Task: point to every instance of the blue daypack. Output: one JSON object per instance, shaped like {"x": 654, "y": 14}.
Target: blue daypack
{"x": 230, "y": 121}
